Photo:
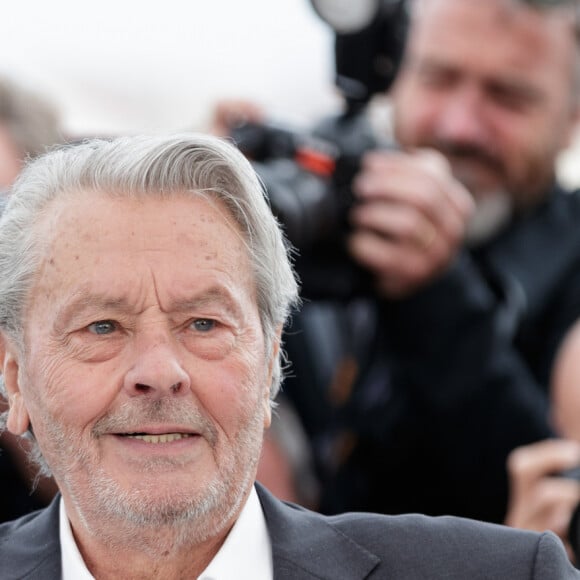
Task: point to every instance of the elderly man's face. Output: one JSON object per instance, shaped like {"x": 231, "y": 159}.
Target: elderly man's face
{"x": 489, "y": 84}
{"x": 145, "y": 375}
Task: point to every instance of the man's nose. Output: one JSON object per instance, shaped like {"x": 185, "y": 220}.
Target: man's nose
{"x": 157, "y": 370}
{"x": 462, "y": 120}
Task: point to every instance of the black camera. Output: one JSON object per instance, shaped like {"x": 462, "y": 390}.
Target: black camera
{"x": 370, "y": 37}
{"x": 308, "y": 176}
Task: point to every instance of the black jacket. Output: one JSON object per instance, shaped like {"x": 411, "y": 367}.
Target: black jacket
{"x": 449, "y": 380}
{"x": 308, "y": 546}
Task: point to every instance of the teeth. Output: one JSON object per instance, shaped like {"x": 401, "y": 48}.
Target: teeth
{"x": 164, "y": 438}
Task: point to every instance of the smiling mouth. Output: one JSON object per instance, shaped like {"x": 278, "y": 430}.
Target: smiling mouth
{"x": 161, "y": 438}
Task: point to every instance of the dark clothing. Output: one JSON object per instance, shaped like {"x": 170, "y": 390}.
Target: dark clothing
{"x": 449, "y": 380}
{"x": 306, "y": 545}
{"x": 16, "y": 498}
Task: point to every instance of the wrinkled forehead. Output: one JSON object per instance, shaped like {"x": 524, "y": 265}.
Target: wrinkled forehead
{"x": 94, "y": 231}
{"x": 95, "y": 213}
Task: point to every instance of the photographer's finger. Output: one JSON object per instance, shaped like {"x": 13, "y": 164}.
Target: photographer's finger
{"x": 557, "y": 500}
{"x": 398, "y": 269}
{"x": 444, "y": 199}
{"x": 457, "y": 194}
{"x": 409, "y": 228}
{"x": 411, "y": 181}
{"x": 548, "y": 504}
{"x": 373, "y": 251}
{"x": 402, "y": 223}
{"x": 529, "y": 463}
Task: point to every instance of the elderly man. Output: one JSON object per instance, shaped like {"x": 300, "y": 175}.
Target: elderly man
{"x": 144, "y": 284}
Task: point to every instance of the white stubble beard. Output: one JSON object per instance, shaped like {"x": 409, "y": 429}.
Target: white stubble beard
{"x": 123, "y": 518}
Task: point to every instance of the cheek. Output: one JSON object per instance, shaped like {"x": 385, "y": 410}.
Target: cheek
{"x": 415, "y": 117}
{"x": 513, "y": 135}
{"x": 61, "y": 389}
{"x": 529, "y": 138}
{"x": 231, "y": 392}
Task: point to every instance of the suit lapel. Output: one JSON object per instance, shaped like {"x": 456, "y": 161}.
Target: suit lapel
{"x": 305, "y": 546}
{"x": 34, "y": 547}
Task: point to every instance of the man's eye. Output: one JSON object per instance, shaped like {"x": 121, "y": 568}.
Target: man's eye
{"x": 203, "y": 324}
{"x": 102, "y": 327}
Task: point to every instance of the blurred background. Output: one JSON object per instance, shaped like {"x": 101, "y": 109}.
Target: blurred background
{"x": 127, "y": 66}
{"x": 120, "y": 66}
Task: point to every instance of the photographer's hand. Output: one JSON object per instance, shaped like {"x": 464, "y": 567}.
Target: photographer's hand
{"x": 410, "y": 220}
{"x": 538, "y": 499}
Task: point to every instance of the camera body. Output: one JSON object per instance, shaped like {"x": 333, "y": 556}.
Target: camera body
{"x": 308, "y": 176}
{"x": 369, "y": 41}
{"x": 308, "y": 179}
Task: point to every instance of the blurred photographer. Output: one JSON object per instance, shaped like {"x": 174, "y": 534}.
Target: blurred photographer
{"x": 492, "y": 86}
{"x": 414, "y": 398}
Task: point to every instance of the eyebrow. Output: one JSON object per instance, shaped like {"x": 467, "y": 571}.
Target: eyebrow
{"x": 215, "y": 295}
{"x": 85, "y": 299}
{"x": 517, "y": 88}
{"x": 521, "y": 88}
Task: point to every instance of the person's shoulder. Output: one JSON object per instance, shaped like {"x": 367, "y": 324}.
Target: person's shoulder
{"x": 449, "y": 543}
{"x": 417, "y": 546}
{"x": 23, "y": 526}
{"x": 8, "y": 528}
{"x": 30, "y": 544}
{"x": 439, "y": 530}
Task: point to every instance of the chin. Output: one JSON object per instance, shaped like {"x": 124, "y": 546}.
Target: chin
{"x": 185, "y": 507}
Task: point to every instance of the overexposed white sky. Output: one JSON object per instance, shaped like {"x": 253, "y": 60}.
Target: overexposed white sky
{"x": 117, "y": 66}
{"x": 129, "y": 66}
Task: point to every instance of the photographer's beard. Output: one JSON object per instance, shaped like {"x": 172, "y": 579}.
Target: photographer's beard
{"x": 493, "y": 212}
{"x": 499, "y": 191}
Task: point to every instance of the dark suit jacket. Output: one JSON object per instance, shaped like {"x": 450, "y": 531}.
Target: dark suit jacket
{"x": 307, "y": 545}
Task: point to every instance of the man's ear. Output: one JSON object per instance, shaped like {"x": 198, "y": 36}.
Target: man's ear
{"x": 18, "y": 418}
{"x": 273, "y": 360}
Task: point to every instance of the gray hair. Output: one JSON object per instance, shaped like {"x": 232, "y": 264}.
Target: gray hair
{"x": 31, "y": 120}
{"x": 144, "y": 166}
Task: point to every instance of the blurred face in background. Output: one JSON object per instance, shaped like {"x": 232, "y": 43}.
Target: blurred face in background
{"x": 492, "y": 86}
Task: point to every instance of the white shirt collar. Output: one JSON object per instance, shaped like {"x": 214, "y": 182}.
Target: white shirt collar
{"x": 73, "y": 566}
{"x": 246, "y": 552}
